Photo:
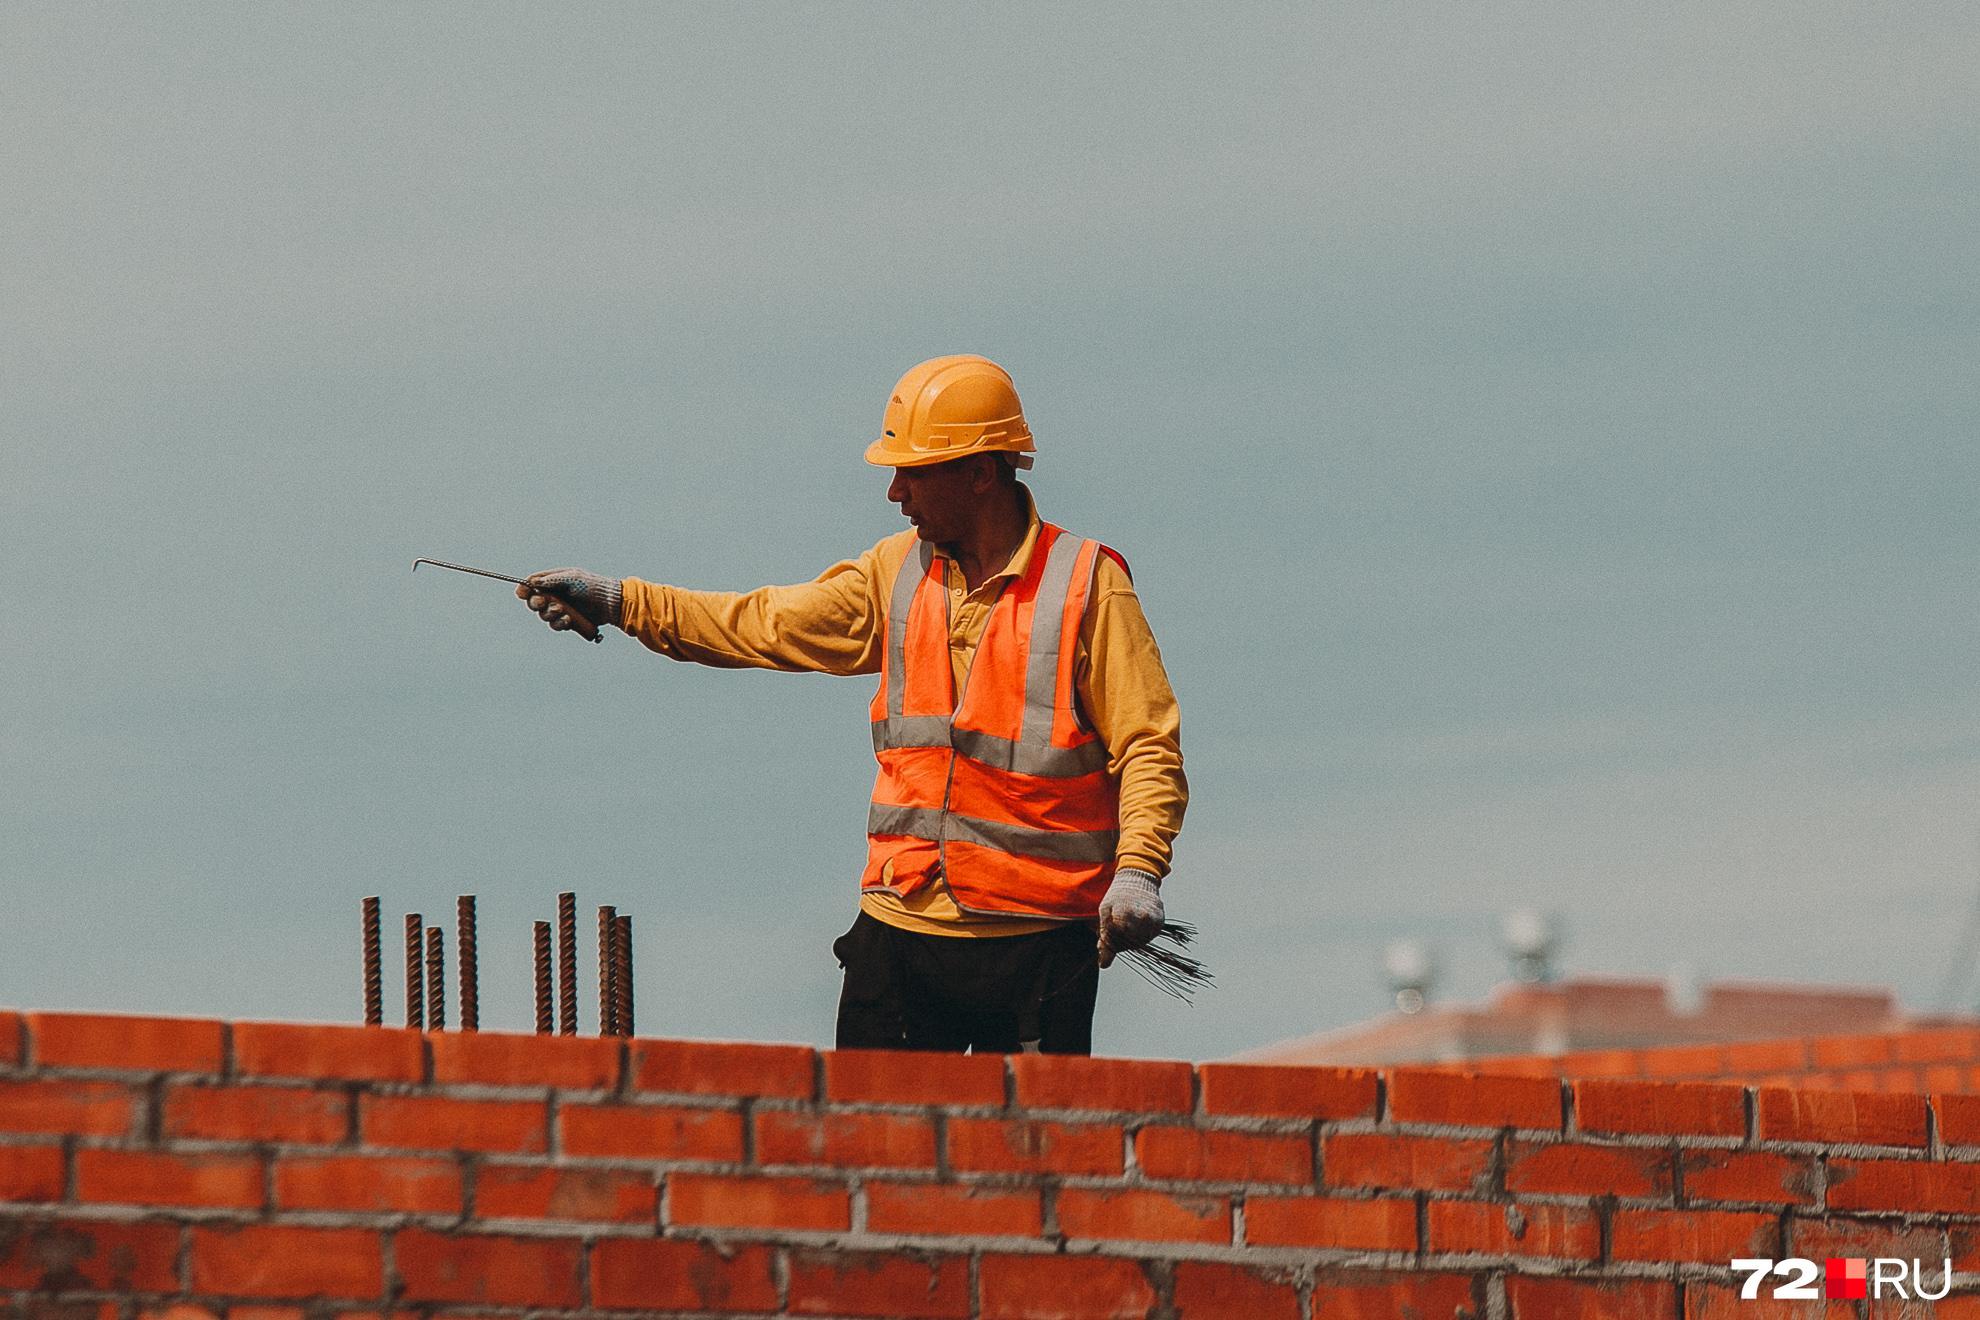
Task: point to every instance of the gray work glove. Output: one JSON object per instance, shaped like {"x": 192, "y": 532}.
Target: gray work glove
{"x": 572, "y": 600}
{"x": 1130, "y": 914}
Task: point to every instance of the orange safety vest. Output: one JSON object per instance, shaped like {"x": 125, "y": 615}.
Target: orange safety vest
{"x": 1004, "y": 792}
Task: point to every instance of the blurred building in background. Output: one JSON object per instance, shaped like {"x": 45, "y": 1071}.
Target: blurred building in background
{"x": 1584, "y": 1014}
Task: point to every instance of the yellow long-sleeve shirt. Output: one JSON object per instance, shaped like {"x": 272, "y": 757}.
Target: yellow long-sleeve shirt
{"x": 834, "y": 624}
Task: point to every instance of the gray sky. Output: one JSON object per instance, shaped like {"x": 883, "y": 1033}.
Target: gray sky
{"x": 1544, "y": 436}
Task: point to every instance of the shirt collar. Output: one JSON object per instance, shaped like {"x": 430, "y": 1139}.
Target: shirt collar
{"x": 1021, "y": 557}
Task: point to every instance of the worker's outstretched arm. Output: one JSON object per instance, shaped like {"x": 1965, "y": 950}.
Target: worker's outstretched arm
{"x": 828, "y": 625}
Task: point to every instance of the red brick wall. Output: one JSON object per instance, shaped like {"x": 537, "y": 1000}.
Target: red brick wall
{"x": 1941, "y": 1059}
{"x": 175, "y": 1170}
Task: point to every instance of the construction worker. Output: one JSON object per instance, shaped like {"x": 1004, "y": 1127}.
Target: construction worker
{"x": 1031, "y": 779}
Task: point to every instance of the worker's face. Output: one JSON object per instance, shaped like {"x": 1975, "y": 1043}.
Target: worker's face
{"x": 940, "y": 499}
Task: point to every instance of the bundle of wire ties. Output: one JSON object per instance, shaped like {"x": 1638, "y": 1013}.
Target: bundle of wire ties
{"x": 1163, "y": 964}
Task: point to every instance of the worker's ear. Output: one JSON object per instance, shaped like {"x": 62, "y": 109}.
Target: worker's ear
{"x": 985, "y": 477}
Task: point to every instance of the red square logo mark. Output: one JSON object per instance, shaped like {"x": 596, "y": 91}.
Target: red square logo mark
{"x": 1848, "y": 1277}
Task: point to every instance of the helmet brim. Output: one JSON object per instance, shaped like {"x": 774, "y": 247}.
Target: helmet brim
{"x": 884, "y": 453}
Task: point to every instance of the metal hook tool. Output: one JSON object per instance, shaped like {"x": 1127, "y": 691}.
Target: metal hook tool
{"x": 482, "y": 572}
{"x": 463, "y": 568}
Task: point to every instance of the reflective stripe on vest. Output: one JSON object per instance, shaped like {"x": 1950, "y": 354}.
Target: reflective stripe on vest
{"x": 938, "y": 826}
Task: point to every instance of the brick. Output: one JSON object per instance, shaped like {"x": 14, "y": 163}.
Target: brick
{"x": 1468, "y": 1100}
{"x": 1942, "y": 1045}
{"x": 1840, "y": 1117}
{"x": 137, "y": 1177}
{"x": 1071, "y": 1081}
{"x": 257, "y": 1113}
{"x": 490, "y": 1058}
{"x": 1660, "y": 1108}
{"x": 1317, "y": 1221}
{"x": 1471, "y": 1227}
{"x": 1573, "y": 1169}
{"x": 1912, "y": 1185}
{"x": 997, "y": 1145}
{"x": 13, "y": 1039}
{"x": 1938, "y": 1077}
{"x": 650, "y": 1132}
{"x": 359, "y": 1184}
{"x": 886, "y": 1141}
{"x": 416, "y": 1122}
{"x": 1275, "y": 1091}
{"x": 1833, "y": 1235}
{"x": 1702, "y": 1237}
{"x": 60, "y": 1255}
{"x": 879, "y": 1284}
{"x": 84, "y": 1109}
{"x": 1962, "y": 1243}
{"x": 1959, "y": 1118}
{"x": 904, "y": 1077}
{"x": 1565, "y": 1299}
{"x": 711, "y": 1067}
{"x": 1206, "y": 1289}
{"x": 1598, "y": 1063}
{"x": 1385, "y": 1160}
{"x": 933, "y": 1209}
{"x": 1360, "y": 1296}
{"x": 1677, "y": 1061}
{"x": 353, "y": 1054}
{"x": 1703, "y": 1301}
{"x": 1063, "y": 1288}
{"x": 1751, "y": 1176}
{"x": 715, "y": 1201}
{"x": 645, "y": 1274}
{"x": 1767, "y": 1056}
{"x": 302, "y": 1263}
{"x": 274, "y": 1313}
{"x": 1143, "y": 1216}
{"x": 1835, "y": 1052}
{"x": 31, "y": 1173}
{"x": 533, "y": 1192}
{"x": 1194, "y": 1155}
{"x": 487, "y": 1270}
{"x": 130, "y": 1044}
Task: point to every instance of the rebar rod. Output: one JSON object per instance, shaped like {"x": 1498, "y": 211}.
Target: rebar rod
{"x": 436, "y": 982}
{"x": 567, "y": 964}
{"x": 465, "y": 952}
{"x": 544, "y": 1023}
{"x": 608, "y": 974}
{"x": 374, "y": 968}
{"x": 623, "y": 949}
{"x": 415, "y": 984}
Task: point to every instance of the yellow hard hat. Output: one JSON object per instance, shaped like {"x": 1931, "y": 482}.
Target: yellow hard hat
{"x": 952, "y": 407}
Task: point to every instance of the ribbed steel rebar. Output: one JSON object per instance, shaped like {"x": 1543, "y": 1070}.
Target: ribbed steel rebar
{"x": 464, "y": 952}
{"x": 544, "y": 1023}
{"x": 622, "y": 947}
{"x": 608, "y": 982}
{"x": 374, "y": 967}
{"x": 415, "y": 977}
{"x": 567, "y": 964}
{"x": 436, "y": 982}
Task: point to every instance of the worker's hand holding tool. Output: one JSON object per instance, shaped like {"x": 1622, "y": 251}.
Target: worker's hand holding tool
{"x": 572, "y": 600}
{"x": 1130, "y": 914}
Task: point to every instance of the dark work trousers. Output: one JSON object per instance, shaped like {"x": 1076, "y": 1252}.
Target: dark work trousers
{"x": 908, "y": 991}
